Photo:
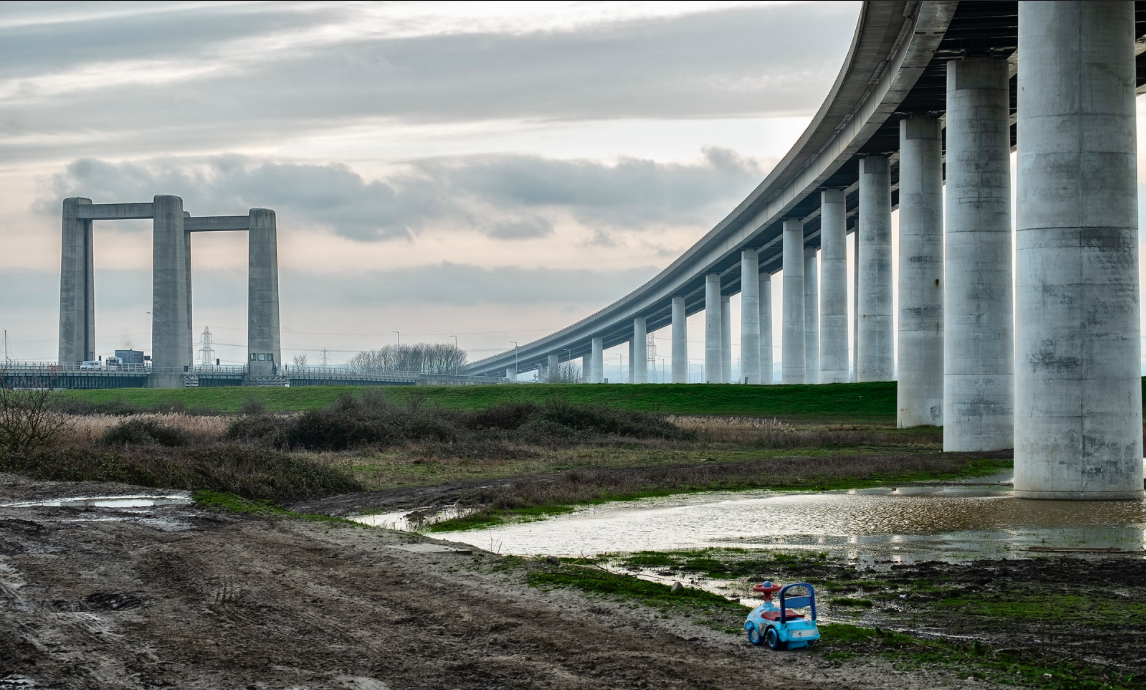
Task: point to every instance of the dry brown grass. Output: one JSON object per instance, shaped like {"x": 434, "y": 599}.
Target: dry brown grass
{"x": 87, "y": 429}
{"x": 773, "y": 433}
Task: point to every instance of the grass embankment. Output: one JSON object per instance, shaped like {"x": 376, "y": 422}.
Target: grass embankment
{"x": 1051, "y": 623}
{"x": 872, "y": 402}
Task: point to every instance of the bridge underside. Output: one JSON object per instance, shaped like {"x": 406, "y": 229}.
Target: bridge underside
{"x": 986, "y": 28}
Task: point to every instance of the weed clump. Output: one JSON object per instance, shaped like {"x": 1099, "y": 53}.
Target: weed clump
{"x": 139, "y": 432}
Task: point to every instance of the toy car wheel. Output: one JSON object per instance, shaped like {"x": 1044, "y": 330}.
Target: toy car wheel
{"x": 772, "y": 638}
{"x": 754, "y": 636}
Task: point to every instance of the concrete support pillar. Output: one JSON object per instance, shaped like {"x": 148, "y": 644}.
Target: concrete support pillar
{"x": 1078, "y": 395}
{"x": 712, "y": 328}
{"x": 811, "y": 317}
{"x": 169, "y": 331}
{"x": 919, "y": 392}
{"x": 190, "y": 345}
{"x": 632, "y": 365}
{"x": 510, "y": 373}
{"x": 679, "y": 341}
{"x": 855, "y": 302}
{"x": 553, "y": 369}
{"x": 263, "y": 351}
{"x": 877, "y": 349}
{"x": 640, "y": 351}
{"x": 725, "y": 339}
{"x": 77, "y": 286}
{"x": 767, "y": 376}
{"x": 749, "y": 316}
{"x": 833, "y": 288}
{"x": 978, "y": 347}
{"x": 794, "y": 364}
{"x": 597, "y": 365}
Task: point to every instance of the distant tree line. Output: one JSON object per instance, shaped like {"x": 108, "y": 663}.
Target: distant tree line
{"x": 424, "y": 358}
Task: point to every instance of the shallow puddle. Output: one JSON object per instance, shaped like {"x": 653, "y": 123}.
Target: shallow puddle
{"x": 872, "y": 526}
{"x": 113, "y": 502}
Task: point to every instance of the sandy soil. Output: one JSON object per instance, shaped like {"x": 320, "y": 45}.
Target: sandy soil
{"x": 178, "y": 596}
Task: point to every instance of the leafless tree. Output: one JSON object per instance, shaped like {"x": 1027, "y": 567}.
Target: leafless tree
{"x": 300, "y": 363}
{"x": 568, "y": 372}
{"x": 28, "y": 415}
{"x": 422, "y": 358}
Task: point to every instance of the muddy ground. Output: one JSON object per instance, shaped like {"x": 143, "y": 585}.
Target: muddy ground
{"x": 180, "y": 596}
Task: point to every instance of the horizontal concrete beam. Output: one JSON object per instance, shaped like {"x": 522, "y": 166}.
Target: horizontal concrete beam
{"x": 116, "y": 211}
{"x": 216, "y": 223}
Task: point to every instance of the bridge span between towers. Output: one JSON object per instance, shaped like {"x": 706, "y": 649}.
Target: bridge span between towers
{"x": 931, "y": 101}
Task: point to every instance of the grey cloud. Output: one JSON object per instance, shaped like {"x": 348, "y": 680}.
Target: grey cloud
{"x": 61, "y": 37}
{"x": 465, "y": 285}
{"x": 437, "y": 284}
{"x": 740, "y": 62}
{"x": 504, "y": 196}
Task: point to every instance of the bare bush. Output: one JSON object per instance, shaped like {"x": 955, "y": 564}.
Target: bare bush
{"x": 29, "y": 418}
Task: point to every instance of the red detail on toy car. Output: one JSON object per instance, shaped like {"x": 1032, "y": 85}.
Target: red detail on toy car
{"x": 775, "y": 615}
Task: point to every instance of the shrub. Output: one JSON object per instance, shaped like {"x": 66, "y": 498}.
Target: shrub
{"x": 262, "y": 429}
{"x": 252, "y": 405}
{"x": 372, "y": 421}
{"x": 245, "y": 471}
{"x": 144, "y": 432}
{"x": 503, "y": 416}
{"x": 29, "y": 418}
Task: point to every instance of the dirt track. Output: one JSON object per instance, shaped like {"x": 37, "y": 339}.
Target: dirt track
{"x": 180, "y": 596}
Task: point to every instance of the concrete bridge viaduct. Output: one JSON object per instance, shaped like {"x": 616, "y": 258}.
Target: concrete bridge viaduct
{"x": 940, "y": 93}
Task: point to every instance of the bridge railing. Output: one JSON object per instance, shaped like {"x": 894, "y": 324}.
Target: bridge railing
{"x": 49, "y": 368}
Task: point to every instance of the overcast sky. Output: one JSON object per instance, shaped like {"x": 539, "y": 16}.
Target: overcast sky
{"x": 492, "y": 172}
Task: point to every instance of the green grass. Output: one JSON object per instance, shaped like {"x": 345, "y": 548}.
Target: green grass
{"x": 704, "y": 607}
{"x": 867, "y": 401}
{"x": 230, "y": 503}
{"x": 841, "y": 642}
{"x": 1079, "y": 609}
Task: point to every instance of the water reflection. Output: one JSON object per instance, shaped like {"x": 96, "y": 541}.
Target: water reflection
{"x": 892, "y": 524}
{"x": 136, "y": 501}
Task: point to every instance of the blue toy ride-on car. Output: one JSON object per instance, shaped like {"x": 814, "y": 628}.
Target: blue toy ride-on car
{"x": 780, "y": 626}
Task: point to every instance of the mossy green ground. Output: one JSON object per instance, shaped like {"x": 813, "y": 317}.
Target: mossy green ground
{"x": 230, "y": 503}
{"x": 1052, "y": 623}
{"x": 873, "y": 402}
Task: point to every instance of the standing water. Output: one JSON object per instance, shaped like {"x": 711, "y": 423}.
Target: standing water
{"x": 900, "y": 524}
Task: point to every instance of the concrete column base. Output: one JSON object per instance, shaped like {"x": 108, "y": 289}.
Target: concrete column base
{"x": 1080, "y": 495}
